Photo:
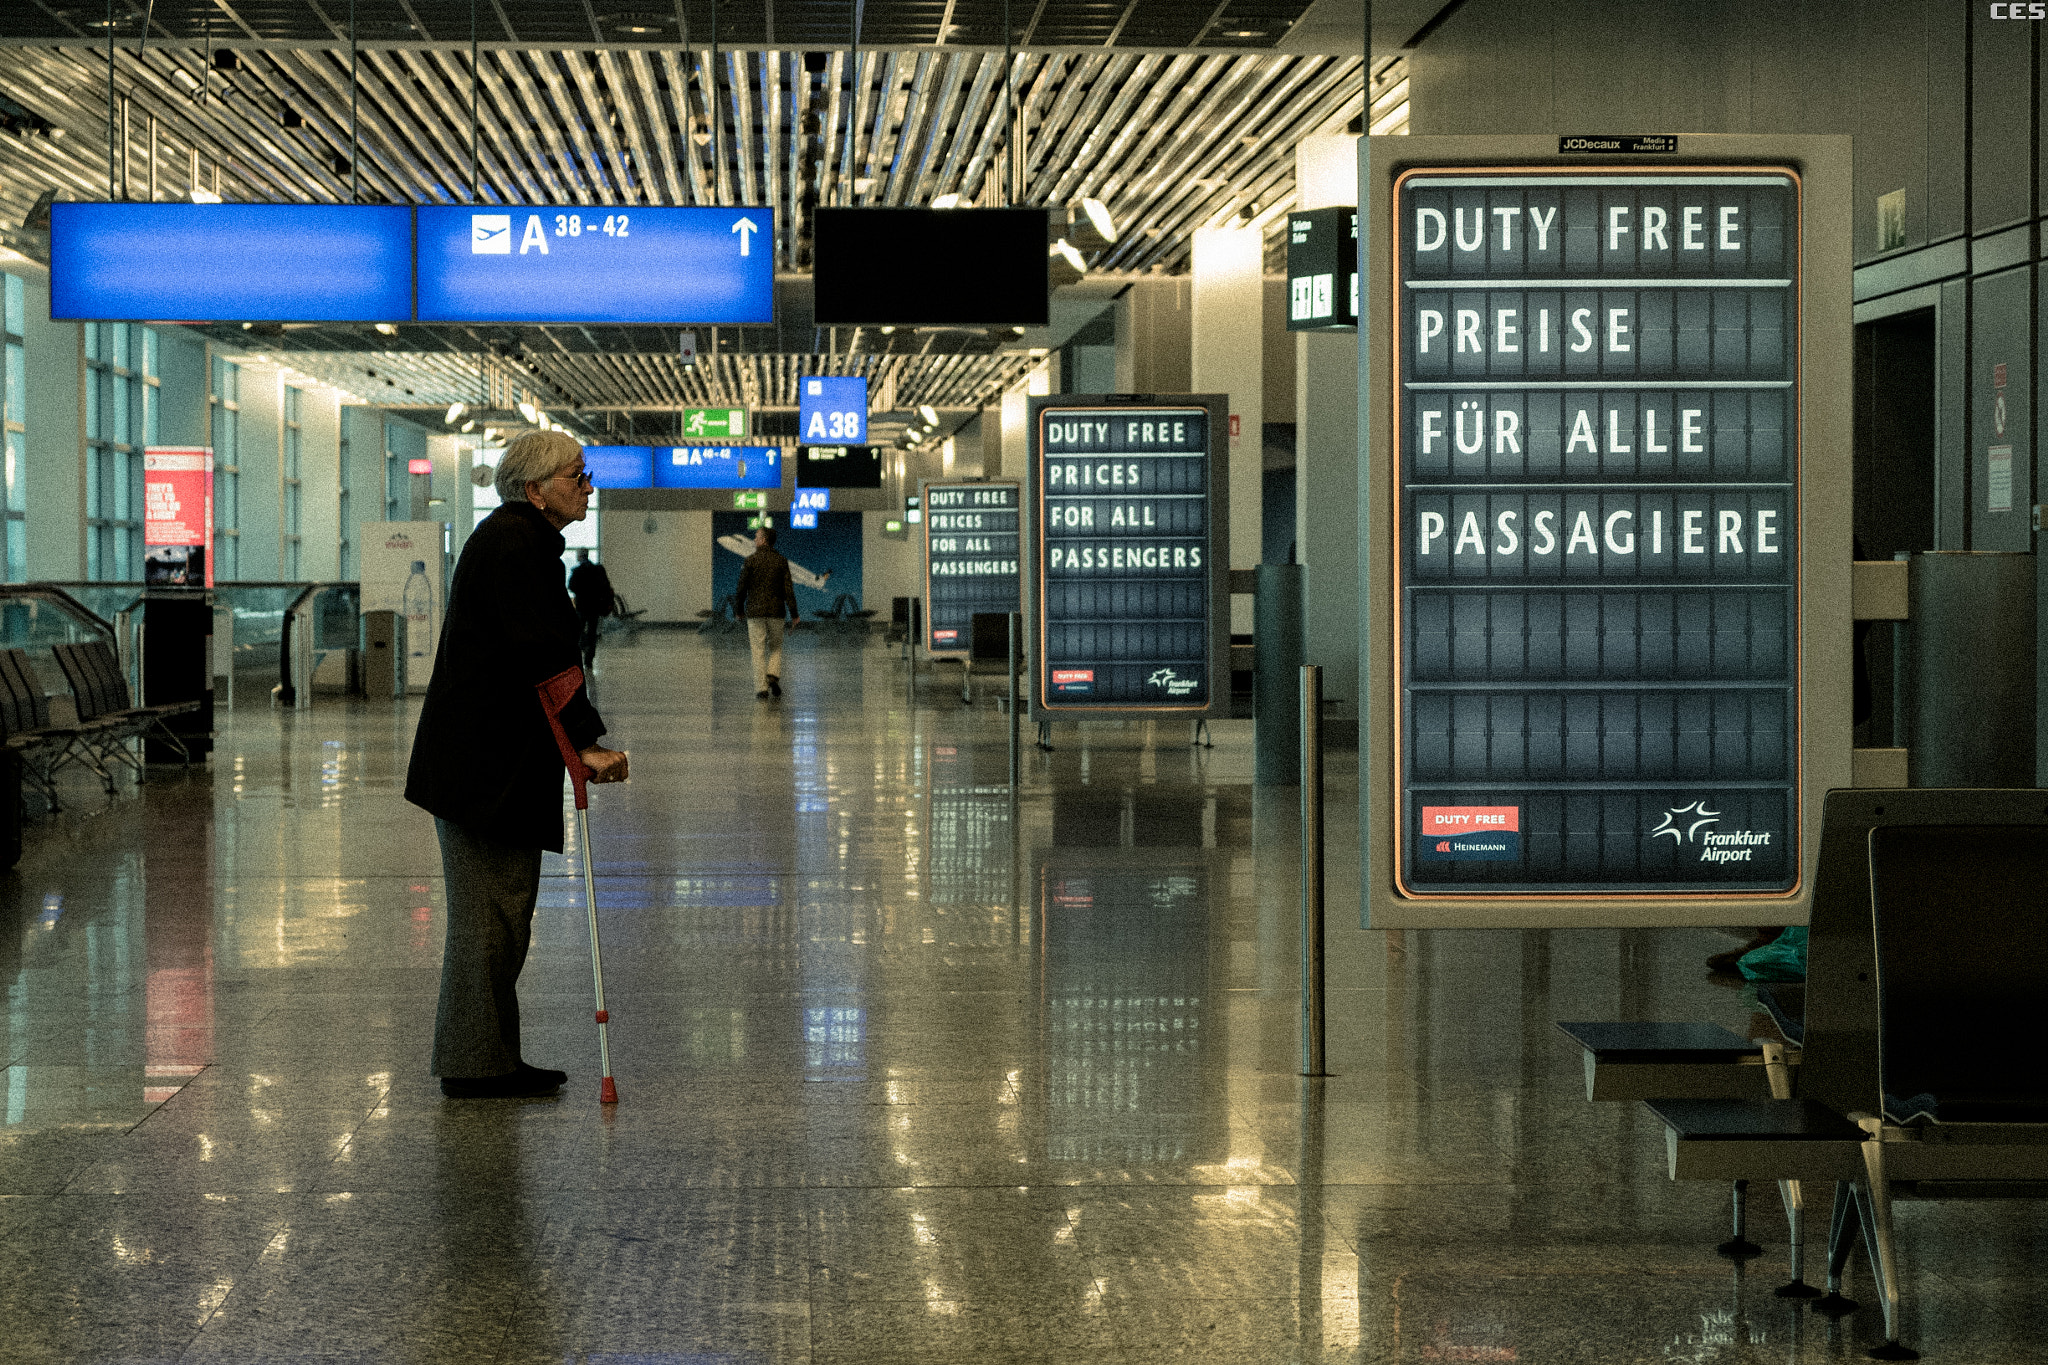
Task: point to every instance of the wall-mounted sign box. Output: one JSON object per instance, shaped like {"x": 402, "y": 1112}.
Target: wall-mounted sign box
{"x": 1129, "y": 554}
{"x": 244, "y": 262}
{"x": 1609, "y": 514}
{"x": 1322, "y": 270}
{"x": 832, "y": 410}
{"x": 714, "y": 424}
{"x": 749, "y": 502}
{"x": 608, "y": 264}
{"x": 717, "y": 466}
{"x": 838, "y": 467}
{"x": 973, "y": 545}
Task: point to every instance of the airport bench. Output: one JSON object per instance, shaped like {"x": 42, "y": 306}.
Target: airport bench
{"x": 103, "y": 700}
{"x": 44, "y": 748}
{"x": 1921, "y": 1074}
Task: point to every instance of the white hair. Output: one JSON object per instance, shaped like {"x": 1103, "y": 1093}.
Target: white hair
{"x": 534, "y": 457}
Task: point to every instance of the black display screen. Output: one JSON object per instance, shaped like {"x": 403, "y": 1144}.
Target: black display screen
{"x": 1126, "y": 545}
{"x": 838, "y": 467}
{"x": 930, "y": 267}
{"x": 1597, "y": 583}
{"x": 971, "y": 545}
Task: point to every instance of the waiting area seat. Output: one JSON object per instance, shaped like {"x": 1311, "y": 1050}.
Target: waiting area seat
{"x": 1921, "y": 1074}
{"x": 1652, "y": 1060}
{"x": 45, "y": 748}
{"x": 106, "y": 708}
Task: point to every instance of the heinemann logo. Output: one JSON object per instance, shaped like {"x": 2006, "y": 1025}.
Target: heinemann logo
{"x": 1693, "y": 826}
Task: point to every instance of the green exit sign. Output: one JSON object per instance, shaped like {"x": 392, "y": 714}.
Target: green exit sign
{"x": 724, "y": 424}
{"x": 749, "y": 502}
{"x": 756, "y": 523}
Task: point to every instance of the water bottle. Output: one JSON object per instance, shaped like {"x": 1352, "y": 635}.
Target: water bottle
{"x": 417, "y": 602}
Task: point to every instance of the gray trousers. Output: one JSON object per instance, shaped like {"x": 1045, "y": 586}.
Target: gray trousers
{"x": 492, "y": 887}
{"x": 764, "y": 638}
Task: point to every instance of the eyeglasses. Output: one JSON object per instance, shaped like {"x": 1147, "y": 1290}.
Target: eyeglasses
{"x": 581, "y": 476}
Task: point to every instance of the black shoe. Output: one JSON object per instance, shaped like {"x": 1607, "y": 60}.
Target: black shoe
{"x": 540, "y": 1074}
{"x": 525, "y": 1083}
{"x": 760, "y": 696}
{"x": 775, "y": 684}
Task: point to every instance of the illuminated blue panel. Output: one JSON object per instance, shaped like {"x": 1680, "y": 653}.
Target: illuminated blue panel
{"x": 813, "y": 500}
{"x": 803, "y": 521}
{"x": 619, "y": 466}
{"x": 832, "y": 411}
{"x": 647, "y": 265}
{"x": 231, "y": 262}
{"x": 717, "y": 466}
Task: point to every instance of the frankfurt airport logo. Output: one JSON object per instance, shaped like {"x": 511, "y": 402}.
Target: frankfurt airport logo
{"x": 1174, "y": 683}
{"x": 1693, "y": 827}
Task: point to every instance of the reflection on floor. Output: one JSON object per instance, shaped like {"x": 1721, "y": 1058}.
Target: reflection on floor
{"x": 903, "y": 1078}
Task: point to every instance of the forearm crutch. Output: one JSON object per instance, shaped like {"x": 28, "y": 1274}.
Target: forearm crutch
{"x": 555, "y": 694}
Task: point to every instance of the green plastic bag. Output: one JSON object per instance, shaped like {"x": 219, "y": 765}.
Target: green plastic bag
{"x": 1783, "y": 959}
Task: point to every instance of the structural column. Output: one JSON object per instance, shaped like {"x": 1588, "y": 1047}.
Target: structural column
{"x": 1326, "y": 458}
{"x": 1229, "y": 358}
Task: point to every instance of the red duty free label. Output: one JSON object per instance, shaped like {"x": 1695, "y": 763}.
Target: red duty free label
{"x": 1438, "y": 821}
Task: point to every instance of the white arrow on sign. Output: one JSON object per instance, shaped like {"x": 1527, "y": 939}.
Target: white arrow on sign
{"x": 746, "y": 228}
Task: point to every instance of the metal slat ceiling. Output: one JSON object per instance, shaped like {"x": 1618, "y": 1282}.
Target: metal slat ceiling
{"x": 796, "y": 24}
{"x": 1171, "y": 142}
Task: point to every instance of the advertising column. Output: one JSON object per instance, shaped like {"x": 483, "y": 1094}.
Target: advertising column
{"x": 1597, "y": 545}
{"x": 970, "y": 562}
{"x": 401, "y": 572}
{"x": 177, "y": 516}
{"x": 1130, "y": 533}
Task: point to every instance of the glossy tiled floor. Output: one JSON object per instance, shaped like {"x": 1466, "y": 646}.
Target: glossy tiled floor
{"x": 902, "y": 1080}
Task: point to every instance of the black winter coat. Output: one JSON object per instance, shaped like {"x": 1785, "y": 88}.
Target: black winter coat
{"x": 483, "y": 755}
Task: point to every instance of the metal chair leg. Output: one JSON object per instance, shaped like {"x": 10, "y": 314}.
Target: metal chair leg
{"x": 1877, "y": 1234}
{"x": 1795, "y": 1216}
{"x": 1738, "y": 1246}
{"x": 1842, "y": 1228}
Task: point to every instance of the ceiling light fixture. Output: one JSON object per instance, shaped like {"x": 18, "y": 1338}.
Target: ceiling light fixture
{"x": 455, "y": 411}
{"x": 389, "y": 329}
{"x": 200, "y": 196}
{"x": 929, "y": 414}
{"x": 529, "y": 412}
{"x": 1065, "y": 265}
{"x": 1089, "y": 225}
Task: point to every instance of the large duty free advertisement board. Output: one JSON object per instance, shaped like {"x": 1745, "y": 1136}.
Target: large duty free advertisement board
{"x": 1596, "y": 677}
{"x": 1129, "y": 536}
{"x": 973, "y": 546}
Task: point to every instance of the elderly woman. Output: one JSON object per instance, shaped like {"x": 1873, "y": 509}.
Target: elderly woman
{"x": 485, "y": 764}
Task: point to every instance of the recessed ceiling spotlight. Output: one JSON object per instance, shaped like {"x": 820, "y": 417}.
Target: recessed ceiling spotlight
{"x": 928, "y": 414}
{"x": 389, "y": 329}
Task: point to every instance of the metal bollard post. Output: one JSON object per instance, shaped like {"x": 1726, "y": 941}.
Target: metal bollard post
{"x": 1312, "y": 870}
{"x": 1016, "y": 631}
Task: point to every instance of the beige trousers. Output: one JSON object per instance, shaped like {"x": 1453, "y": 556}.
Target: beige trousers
{"x": 764, "y": 637}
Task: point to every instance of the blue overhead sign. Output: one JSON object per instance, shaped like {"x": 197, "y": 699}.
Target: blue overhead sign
{"x": 622, "y": 264}
{"x": 619, "y": 466}
{"x": 718, "y": 467}
{"x": 239, "y": 262}
{"x": 832, "y": 410}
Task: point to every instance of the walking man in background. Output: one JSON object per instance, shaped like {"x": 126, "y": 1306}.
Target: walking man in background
{"x": 765, "y": 591}
{"x": 591, "y": 586}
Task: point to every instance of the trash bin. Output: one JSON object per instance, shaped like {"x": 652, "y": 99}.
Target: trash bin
{"x": 383, "y": 655}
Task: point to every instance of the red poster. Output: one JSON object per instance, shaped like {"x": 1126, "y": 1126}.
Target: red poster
{"x": 177, "y": 515}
